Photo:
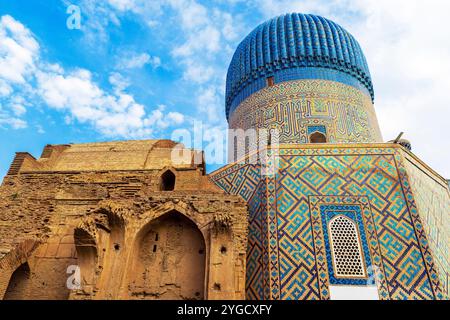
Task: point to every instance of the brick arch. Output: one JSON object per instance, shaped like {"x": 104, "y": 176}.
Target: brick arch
{"x": 14, "y": 260}
{"x": 166, "y": 208}
{"x": 171, "y": 246}
{"x": 117, "y": 214}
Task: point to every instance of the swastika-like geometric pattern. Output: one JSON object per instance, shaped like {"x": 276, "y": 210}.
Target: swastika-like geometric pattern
{"x": 257, "y": 250}
{"x": 373, "y": 178}
{"x": 241, "y": 179}
{"x": 433, "y": 201}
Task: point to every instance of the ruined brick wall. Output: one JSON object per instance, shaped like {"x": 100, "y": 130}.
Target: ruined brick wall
{"x": 98, "y": 220}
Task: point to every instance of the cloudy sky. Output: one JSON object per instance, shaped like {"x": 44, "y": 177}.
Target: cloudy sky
{"x": 142, "y": 68}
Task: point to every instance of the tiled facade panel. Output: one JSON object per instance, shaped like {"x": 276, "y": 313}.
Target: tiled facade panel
{"x": 370, "y": 185}
{"x": 433, "y": 201}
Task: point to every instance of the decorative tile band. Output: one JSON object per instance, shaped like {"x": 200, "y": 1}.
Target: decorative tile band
{"x": 347, "y": 114}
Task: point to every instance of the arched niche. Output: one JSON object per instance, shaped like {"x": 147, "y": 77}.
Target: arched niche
{"x": 317, "y": 137}
{"x": 169, "y": 260}
{"x": 19, "y": 283}
{"x": 167, "y": 181}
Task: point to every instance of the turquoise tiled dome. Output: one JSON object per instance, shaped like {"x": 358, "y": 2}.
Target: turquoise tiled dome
{"x": 295, "y": 46}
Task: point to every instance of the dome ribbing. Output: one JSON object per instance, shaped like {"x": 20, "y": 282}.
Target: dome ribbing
{"x": 294, "y": 41}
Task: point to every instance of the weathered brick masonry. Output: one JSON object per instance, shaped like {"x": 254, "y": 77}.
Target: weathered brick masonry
{"x": 108, "y": 208}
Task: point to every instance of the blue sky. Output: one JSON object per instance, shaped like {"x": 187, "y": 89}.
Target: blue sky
{"x": 139, "y": 69}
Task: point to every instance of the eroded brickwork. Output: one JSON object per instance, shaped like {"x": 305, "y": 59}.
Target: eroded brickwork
{"x": 104, "y": 222}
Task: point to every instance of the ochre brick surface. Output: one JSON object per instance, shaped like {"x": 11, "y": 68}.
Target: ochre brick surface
{"x": 99, "y": 207}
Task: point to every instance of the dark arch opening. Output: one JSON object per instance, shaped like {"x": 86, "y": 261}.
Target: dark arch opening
{"x": 168, "y": 181}
{"x": 317, "y": 137}
{"x": 18, "y": 283}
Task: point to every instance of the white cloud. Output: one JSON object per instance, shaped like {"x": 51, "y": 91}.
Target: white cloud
{"x": 208, "y": 33}
{"x": 15, "y": 123}
{"x": 205, "y": 37}
{"x": 18, "y": 62}
{"x": 119, "y": 82}
{"x": 207, "y": 101}
{"x": 5, "y": 88}
{"x": 131, "y": 60}
{"x": 136, "y": 6}
{"x": 175, "y": 117}
{"x": 18, "y": 50}
{"x": 123, "y": 5}
{"x": 40, "y": 129}
{"x": 18, "y": 106}
{"x": 114, "y": 114}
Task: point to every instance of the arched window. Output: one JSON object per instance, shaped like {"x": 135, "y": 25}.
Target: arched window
{"x": 317, "y": 137}
{"x": 168, "y": 181}
{"x": 346, "y": 248}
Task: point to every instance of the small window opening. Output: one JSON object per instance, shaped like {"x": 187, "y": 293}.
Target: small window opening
{"x": 168, "y": 181}
{"x": 154, "y": 248}
{"x": 317, "y": 137}
{"x": 270, "y": 81}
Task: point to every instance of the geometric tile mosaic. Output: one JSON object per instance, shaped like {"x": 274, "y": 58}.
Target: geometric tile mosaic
{"x": 433, "y": 203}
{"x": 287, "y": 249}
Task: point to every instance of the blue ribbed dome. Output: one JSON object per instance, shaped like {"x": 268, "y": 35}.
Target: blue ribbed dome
{"x": 294, "y": 41}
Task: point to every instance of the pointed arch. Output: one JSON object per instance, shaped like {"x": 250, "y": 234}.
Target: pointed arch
{"x": 169, "y": 259}
{"x": 18, "y": 284}
{"x": 15, "y": 259}
{"x": 317, "y": 137}
{"x": 167, "y": 181}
